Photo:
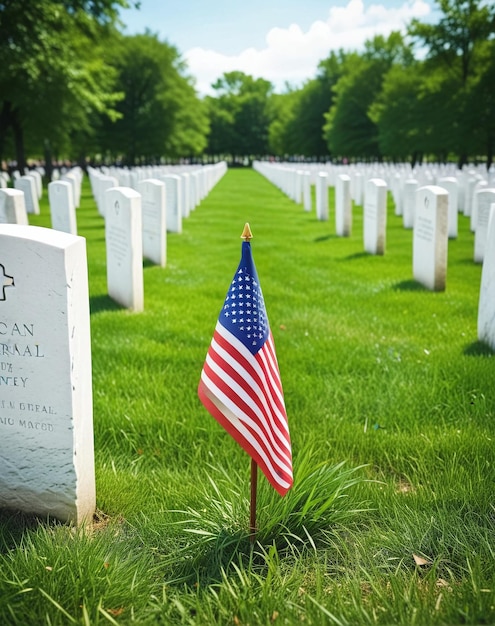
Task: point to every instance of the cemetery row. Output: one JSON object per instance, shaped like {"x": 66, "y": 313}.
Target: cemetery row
{"x": 46, "y": 413}
{"x": 429, "y": 200}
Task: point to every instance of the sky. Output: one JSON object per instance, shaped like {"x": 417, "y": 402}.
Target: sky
{"x": 279, "y": 40}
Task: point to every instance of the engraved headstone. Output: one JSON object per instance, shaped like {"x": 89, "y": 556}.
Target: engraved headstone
{"x": 12, "y": 207}
{"x": 124, "y": 243}
{"x": 322, "y": 196}
{"x": 46, "y": 415}
{"x": 173, "y": 203}
{"x": 430, "y": 237}
{"x": 186, "y": 194}
{"x": 375, "y": 216}
{"x": 154, "y": 221}
{"x": 484, "y": 200}
{"x": 486, "y": 308}
{"x": 27, "y": 185}
{"x": 306, "y": 190}
{"x": 62, "y": 209}
{"x": 343, "y": 206}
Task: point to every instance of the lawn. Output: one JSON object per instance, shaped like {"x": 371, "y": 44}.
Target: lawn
{"x": 390, "y": 401}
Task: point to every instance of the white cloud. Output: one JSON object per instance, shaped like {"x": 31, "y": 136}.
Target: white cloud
{"x": 293, "y": 55}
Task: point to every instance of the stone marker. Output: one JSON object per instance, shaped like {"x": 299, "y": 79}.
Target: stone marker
{"x": 154, "y": 221}
{"x": 343, "y": 206}
{"x": 486, "y": 308}
{"x": 124, "y": 242}
{"x": 12, "y": 207}
{"x": 46, "y": 415}
{"x": 375, "y": 216}
{"x": 186, "y": 194}
{"x": 306, "y": 190}
{"x": 173, "y": 202}
{"x": 322, "y": 196}
{"x": 27, "y": 185}
{"x": 409, "y": 202}
{"x": 62, "y": 208}
{"x": 452, "y": 186}
{"x": 484, "y": 200}
{"x": 430, "y": 237}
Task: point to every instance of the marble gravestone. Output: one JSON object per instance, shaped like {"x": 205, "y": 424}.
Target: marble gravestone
{"x": 343, "y": 206}
{"x": 154, "y": 220}
{"x": 46, "y": 414}
{"x": 173, "y": 202}
{"x": 452, "y": 186}
{"x": 306, "y": 190}
{"x": 62, "y": 207}
{"x": 12, "y": 207}
{"x": 27, "y": 185}
{"x": 486, "y": 307}
{"x": 124, "y": 244}
{"x": 430, "y": 237}
{"x": 485, "y": 198}
{"x": 322, "y": 196}
{"x": 409, "y": 202}
{"x": 375, "y": 216}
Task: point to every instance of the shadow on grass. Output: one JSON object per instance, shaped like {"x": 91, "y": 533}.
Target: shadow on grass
{"x": 103, "y": 303}
{"x": 13, "y": 526}
{"x": 478, "y": 348}
{"x": 356, "y": 255}
{"x": 324, "y": 238}
{"x": 409, "y": 285}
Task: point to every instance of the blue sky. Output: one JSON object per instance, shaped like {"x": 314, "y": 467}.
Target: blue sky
{"x": 280, "y": 40}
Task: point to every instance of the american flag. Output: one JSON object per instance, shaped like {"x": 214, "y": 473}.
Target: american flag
{"x": 240, "y": 383}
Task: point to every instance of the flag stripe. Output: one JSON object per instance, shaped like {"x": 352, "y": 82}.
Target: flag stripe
{"x": 222, "y": 380}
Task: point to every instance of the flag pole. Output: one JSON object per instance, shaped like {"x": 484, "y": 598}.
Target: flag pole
{"x": 247, "y": 235}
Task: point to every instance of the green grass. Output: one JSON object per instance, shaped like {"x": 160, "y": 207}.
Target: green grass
{"x": 391, "y": 406}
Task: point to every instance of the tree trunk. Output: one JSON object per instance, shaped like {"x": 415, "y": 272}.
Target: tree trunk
{"x": 5, "y": 122}
{"x": 47, "y": 149}
{"x": 489, "y": 152}
{"x": 19, "y": 142}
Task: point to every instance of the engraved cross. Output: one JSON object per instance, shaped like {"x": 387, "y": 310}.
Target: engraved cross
{"x": 5, "y": 281}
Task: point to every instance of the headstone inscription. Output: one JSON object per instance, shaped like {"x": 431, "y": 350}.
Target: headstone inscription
{"x": 28, "y": 186}
{"x": 12, "y": 207}
{"x": 62, "y": 208}
{"x": 430, "y": 237}
{"x": 124, "y": 242}
{"x": 343, "y": 206}
{"x": 486, "y": 307}
{"x": 484, "y": 200}
{"x": 46, "y": 415}
{"x": 375, "y": 216}
{"x": 154, "y": 221}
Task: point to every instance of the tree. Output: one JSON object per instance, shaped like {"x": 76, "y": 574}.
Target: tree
{"x": 456, "y": 48}
{"x": 159, "y": 113}
{"x": 239, "y": 115}
{"x": 49, "y": 51}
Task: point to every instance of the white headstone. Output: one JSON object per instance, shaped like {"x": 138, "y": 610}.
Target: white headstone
{"x": 306, "y": 190}
{"x": 375, "y": 216}
{"x": 46, "y": 415}
{"x": 173, "y": 194}
{"x": 124, "y": 242}
{"x": 430, "y": 237}
{"x": 322, "y": 196}
{"x": 38, "y": 182}
{"x": 62, "y": 209}
{"x": 484, "y": 200}
{"x": 12, "y": 207}
{"x": 27, "y": 185}
{"x": 186, "y": 194}
{"x": 154, "y": 220}
{"x": 343, "y": 206}
{"x": 452, "y": 186}
{"x": 473, "y": 218}
{"x": 409, "y": 202}
{"x": 486, "y": 308}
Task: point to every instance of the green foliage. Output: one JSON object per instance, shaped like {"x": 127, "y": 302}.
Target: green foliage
{"x": 159, "y": 113}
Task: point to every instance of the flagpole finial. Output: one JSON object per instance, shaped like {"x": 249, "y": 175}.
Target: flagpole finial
{"x": 246, "y": 233}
